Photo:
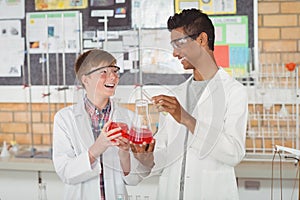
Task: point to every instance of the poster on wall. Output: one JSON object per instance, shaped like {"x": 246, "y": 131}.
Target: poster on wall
{"x": 53, "y": 32}
{"x": 11, "y": 48}
{"x": 143, "y": 9}
{"x": 59, "y": 4}
{"x": 10, "y": 29}
{"x": 11, "y": 56}
{"x": 117, "y": 12}
{"x": 231, "y": 43}
{"x": 210, "y": 7}
{"x": 12, "y": 9}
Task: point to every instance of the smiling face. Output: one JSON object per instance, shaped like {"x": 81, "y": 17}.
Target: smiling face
{"x": 192, "y": 38}
{"x": 98, "y": 74}
{"x": 102, "y": 82}
{"x": 184, "y": 48}
{"x": 194, "y": 53}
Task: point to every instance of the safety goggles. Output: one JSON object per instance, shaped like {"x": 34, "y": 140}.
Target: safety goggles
{"x": 105, "y": 71}
{"x": 180, "y": 42}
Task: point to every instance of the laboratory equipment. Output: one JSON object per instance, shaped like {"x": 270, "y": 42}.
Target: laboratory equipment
{"x": 118, "y": 119}
{"x": 140, "y": 130}
{"x": 42, "y": 194}
{"x": 4, "y": 152}
{"x": 273, "y": 112}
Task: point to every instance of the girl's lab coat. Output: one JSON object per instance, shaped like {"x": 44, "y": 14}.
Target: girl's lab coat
{"x": 72, "y": 136}
{"x": 217, "y": 145}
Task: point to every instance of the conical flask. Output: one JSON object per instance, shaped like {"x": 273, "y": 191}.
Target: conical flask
{"x": 118, "y": 118}
{"x": 140, "y": 130}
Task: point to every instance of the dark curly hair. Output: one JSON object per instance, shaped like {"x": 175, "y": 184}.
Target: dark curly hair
{"x": 194, "y": 22}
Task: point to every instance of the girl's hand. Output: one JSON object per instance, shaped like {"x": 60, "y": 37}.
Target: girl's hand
{"x": 105, "y": 140}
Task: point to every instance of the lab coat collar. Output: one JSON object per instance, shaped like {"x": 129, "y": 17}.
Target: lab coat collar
{"x": 210, "y": 88}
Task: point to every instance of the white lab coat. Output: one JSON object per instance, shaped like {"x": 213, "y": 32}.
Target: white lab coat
{"x": 72, "y": 136}
{"x": 217, "y": 145}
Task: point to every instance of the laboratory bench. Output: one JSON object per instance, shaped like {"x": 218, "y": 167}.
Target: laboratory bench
{"x": 19, "y": 179}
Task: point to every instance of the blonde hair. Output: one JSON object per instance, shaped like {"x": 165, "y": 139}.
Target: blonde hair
{"x": 89, "y": 59}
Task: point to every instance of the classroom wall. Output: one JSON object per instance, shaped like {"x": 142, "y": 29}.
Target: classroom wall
{"x": 279, "y": 30}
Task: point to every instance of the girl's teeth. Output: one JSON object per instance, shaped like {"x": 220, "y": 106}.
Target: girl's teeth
{"x": 110, "y": 85}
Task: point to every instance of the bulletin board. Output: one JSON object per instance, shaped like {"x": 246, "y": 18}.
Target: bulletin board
{"x": 243, "y": 8}
{"x": 232, "y": 43}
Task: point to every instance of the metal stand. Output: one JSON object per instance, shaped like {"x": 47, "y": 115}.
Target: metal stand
{"x": 295, "y": 153}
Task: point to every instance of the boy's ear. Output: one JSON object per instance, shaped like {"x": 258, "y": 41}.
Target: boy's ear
{"x": 203, "y": 39}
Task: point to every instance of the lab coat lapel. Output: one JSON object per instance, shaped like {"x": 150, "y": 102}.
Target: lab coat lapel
{"x": 181, "y": 93}
{"x": 182, "y": 90}
{"x": 209, "y": 89}
{"x": 83, "y": 124}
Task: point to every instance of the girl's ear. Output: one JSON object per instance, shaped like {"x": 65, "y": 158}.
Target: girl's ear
{"x": 84, "y": 80}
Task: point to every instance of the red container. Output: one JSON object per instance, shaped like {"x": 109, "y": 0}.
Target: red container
{"x": 123, "y": 126}
{"x": 138, "y": 136}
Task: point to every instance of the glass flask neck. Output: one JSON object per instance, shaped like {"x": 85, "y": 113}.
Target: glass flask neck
{"x": 141, "y": 107}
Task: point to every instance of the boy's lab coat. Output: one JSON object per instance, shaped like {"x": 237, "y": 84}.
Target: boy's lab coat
{"x": 215, "y": 148}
